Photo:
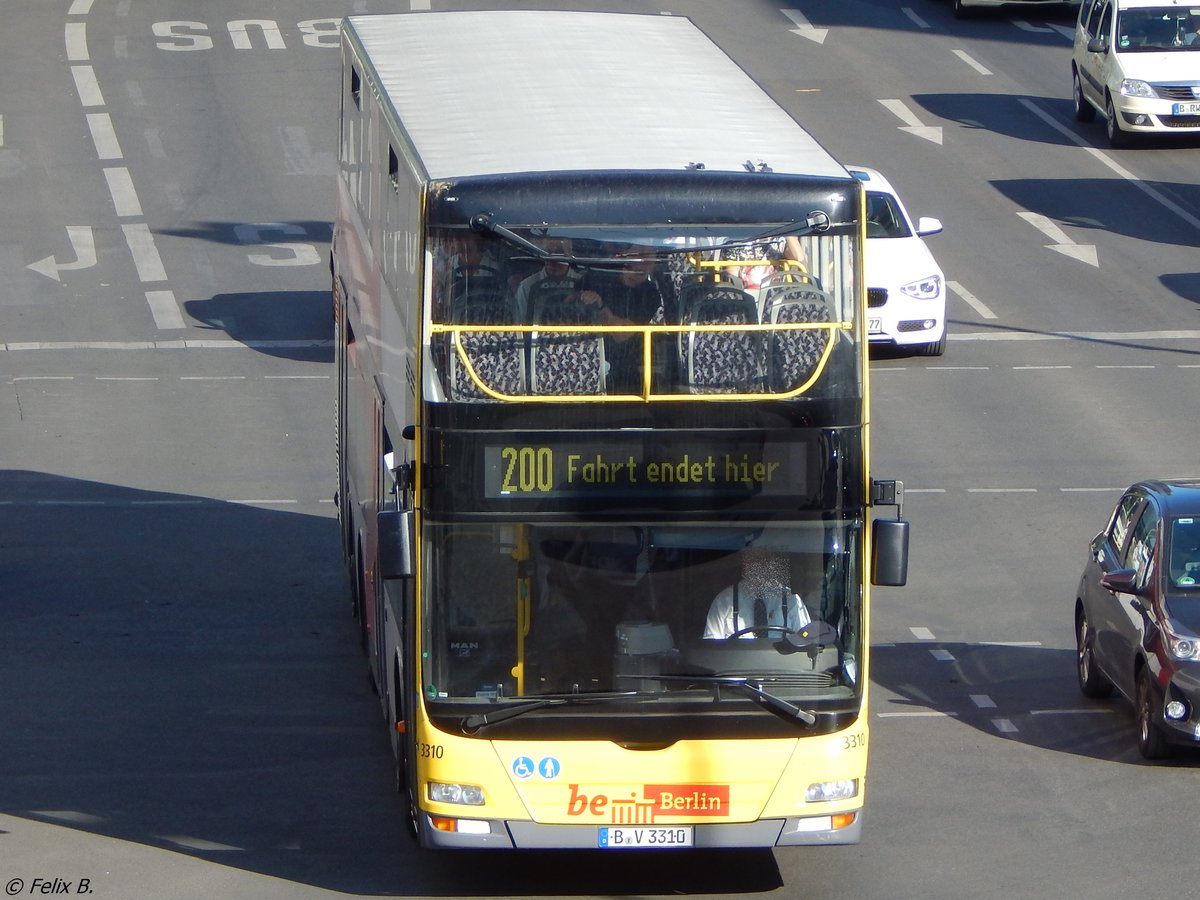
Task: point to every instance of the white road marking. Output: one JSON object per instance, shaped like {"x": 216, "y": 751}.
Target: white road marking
{"x": 942, "y": 655}
{"x": 124, "y": 196}
{"x": 1154, "y": 194}
{"x": 1062, "y": 242}
{"x": 983, "y": 701}
{"x": 1004, "y": 726}
{"x": 75, "y": 34}
{"x": 803, "y": 28}
{"x": 145, "y": 254}
{"x": 104, "y": 136}
{"x": 977, "y": 66}
{"x": 87, "y": 86}
{"x": 1101, "y": 710}
{"x": 916, "y": 19}
{"x": 1123, "y": 337}
{"x": 83, "y": 243}
{"x": 971, "y": 300}
{"x": 922, "y": 634}
{"x": 912, "y": 124}
{"x": 917, "y": 713}
{"x": 165, "y": 310}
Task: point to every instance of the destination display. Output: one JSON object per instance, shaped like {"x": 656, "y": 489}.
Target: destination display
{"x": 624, "y": 466}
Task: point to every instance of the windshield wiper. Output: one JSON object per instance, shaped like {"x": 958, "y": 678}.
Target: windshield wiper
{"x": 774, "y": 704}
{"x": 471, "y": 724}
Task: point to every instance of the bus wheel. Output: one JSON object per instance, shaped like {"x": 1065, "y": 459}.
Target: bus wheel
{"x": 404, "y": 765}
{"x": 405, "y": 789}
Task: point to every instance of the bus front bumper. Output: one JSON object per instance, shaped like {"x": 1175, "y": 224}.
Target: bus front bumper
{"x": 483, "y": 834}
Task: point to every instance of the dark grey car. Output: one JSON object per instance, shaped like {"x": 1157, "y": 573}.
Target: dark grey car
{"x": 1137, "y": 612}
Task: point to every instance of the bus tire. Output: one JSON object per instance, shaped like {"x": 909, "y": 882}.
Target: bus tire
{"x": 405, "y": 754}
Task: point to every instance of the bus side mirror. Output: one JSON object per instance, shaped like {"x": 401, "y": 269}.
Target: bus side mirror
{"x": 395, "y": 543}
{"x": 889, "y": 553}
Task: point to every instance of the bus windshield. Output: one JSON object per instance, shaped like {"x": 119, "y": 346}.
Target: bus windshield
{"x": 621, "y": 311}
{"x": 643, "y": 612}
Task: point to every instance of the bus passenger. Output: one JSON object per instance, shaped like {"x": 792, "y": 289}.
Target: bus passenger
{"x": 553, "y": 283}
{"x": 630, "y": 297}
{"x": 775, "y": 252}
{"x": 761, "y": 598}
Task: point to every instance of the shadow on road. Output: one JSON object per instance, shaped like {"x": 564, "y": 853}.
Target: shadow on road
{"x": 184, "y": 674}
{"x": 1031, "y": 696}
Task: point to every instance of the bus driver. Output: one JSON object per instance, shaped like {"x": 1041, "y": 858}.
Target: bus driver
{"x": 760, "y": 599}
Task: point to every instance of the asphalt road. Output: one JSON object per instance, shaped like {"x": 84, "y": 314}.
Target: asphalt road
{"x": 184, "y": 710}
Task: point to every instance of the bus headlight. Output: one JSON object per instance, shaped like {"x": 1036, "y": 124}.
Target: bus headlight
{"x": 465, "y": 794}
{"x": 824, "y": 791}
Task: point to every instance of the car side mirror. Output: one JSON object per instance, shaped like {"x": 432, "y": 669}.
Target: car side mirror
{"x": 1097, "y": 45}
{"x": 927, "y": 225}
{"x": 1120, "y": 581}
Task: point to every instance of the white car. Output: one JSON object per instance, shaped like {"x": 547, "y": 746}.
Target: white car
{"x": 965, "y": 9}
{"x": 1138, "y": 63}
{"x": 906, "y": 291}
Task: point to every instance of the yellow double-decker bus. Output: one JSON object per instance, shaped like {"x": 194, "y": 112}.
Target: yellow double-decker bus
{"x": 603, "y": 477}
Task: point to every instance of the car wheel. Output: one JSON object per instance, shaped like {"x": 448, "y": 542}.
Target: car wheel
{"x": 962, "y": 12}
{"x": 1116, "y": 137}
{"x": 1091, "y": 680}
{"x": 1151, "y": 741}
{"x": 1084, "y": 111}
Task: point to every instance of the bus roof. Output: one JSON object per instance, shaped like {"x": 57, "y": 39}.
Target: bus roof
{"x": 489, "y": 93}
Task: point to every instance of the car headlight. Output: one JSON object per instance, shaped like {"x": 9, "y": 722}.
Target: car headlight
{"x": 1182, "y": 643}
{"x": 1131, "y": 87}
{"x": 925, "y": 289}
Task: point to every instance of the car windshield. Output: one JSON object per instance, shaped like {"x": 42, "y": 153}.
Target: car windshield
{"x": 884, "y": 218}
{"x": 1155, "y": 29}
{"x": 1184, "y": 552}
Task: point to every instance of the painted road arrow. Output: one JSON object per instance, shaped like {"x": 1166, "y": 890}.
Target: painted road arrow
{"x": 911, "y": 123}
{"x": 1062, "y": 243}
{"x": 803, "y": 28}
{"x": 84, "y": 244}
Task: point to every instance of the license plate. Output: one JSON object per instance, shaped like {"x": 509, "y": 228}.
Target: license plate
{"x": 627, "y": 837}
{"x": 874, "y": 325}
{"x": 1185, "y": 109}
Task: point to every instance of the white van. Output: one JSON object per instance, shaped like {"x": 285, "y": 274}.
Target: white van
{"x": 1138, "y": 63}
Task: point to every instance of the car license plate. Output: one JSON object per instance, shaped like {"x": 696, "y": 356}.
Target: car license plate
{"x": 1185, "y": 109}
{"x": 875, "y": 326}
{"x": 629, "y": 837}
